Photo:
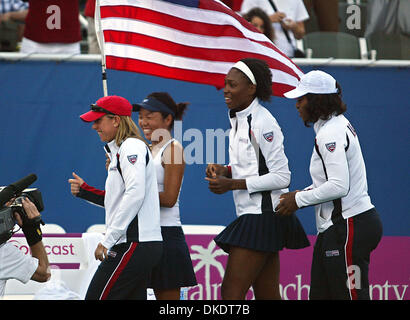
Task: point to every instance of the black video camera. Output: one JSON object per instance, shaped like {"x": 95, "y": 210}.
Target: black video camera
{"x": 7, "y": 219}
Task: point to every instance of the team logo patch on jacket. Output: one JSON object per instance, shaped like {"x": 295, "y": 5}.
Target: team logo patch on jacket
{"x": 132, "y": 158}
{"x": 268, "y": 136}
{"x": 331, "y": 146}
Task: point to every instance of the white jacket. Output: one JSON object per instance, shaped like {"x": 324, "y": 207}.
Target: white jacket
{"x": 339, "y": 188}
{"x": 256, "y": 154}
{"x": 130, "y": 198}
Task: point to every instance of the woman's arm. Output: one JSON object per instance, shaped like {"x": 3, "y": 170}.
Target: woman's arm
{"x": 273, "y": 162}
{"x": 80, "y": 189}
{"x": 174, "y": 166}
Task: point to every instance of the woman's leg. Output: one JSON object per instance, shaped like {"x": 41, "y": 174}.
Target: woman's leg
{"x": 242, "y": 269}
{"x": 266, "y": 285}
{"x": 167, "y": 294}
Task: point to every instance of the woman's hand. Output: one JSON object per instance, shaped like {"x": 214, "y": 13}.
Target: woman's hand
{"x": 287, "y": 203}
{"x": 75, "y": 184}
{"x": 213, "y": 170}
{"x": 298, "y": 28}
{"x": 277, "y": 16}
{"x": 101, "y": 252}
{"x": 219, "y": 184}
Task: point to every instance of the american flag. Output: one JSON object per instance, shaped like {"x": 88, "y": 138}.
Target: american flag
{"x": 190, "y": 40}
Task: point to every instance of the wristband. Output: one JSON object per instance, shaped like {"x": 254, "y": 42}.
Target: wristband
{"x": 229, "y": 171}
{"x": 33, "y": 233}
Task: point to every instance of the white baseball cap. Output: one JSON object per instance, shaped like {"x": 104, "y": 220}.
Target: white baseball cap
{"x": 315, "y": 81}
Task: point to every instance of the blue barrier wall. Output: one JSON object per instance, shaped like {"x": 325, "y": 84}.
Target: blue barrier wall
{"x": 41, "y": 133}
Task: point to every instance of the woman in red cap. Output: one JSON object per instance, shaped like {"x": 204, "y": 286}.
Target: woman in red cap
{"x": 132, "y": 244}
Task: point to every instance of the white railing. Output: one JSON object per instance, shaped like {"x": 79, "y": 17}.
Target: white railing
{"x": 16, "y": 56}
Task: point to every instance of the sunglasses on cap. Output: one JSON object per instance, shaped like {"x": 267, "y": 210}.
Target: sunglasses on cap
{"x": 97, "y": 108}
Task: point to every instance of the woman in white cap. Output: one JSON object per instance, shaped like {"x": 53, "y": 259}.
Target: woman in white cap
{"x": 348, "y": 225}
{"x": 157, "y": 114}
{"x": 132, "y": 243}
{"x": 257, "y": 174}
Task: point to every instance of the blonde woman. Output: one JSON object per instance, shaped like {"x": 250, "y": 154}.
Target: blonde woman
{"x": 132, "y": 244}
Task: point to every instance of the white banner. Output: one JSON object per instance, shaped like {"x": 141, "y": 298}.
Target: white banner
{"x": 65, "y": 251}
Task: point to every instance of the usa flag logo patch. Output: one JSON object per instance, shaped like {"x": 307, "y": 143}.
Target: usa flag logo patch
{"x": 268, "y": 136}
{"x": 133, "y": 158}
{"x": 331, "y": 146}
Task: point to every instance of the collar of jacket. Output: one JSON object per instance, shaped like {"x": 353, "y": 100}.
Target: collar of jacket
{"x": 111, "y": 147}
{"x": 320, "y": 123}
{"x": 245, "y": 112}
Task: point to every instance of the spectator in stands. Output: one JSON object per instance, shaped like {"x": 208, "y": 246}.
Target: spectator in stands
{"x": 261, "y": 21}
{"x": 327, "y": 13}
{"x": 156, "y": 119}
{"x": 348, "y": 225}
{"x": 388, "y": 17}
{"x": 52, "y": 26}
{"x": 257, "y": 174}
{"x": 288, "y": 20}
{"x": 91, "y": 35}
{"x": 14, "y": 264}
{"x": 13, "y": 10}
{"x": 12, "y": 16}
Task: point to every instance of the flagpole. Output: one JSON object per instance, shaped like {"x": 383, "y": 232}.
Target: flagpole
{"x": 100, "y": 40}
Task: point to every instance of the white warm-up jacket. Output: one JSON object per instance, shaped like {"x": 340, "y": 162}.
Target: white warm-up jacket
{"x": 256, "y": 153}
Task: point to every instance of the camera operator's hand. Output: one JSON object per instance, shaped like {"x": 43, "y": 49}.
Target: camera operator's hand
{"x": 101, "y": 252}
{"x": 10, "y": 202}
{"x": 75, "y": 184}
{"x": 29, "y": 208}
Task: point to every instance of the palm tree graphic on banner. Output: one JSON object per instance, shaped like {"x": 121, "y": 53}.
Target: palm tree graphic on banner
{"x": 207, "y": 259}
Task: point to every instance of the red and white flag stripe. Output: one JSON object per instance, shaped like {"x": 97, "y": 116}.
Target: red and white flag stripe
{"x": 180, "y": 40}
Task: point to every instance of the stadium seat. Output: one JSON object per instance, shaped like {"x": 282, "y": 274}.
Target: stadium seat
{"x": 389, "y": 46}
{"x": 49, "y": 228}
{"x": 336, "y": 45}
{"x": 201, "y": 229}
{"x": 99, "y": 228}
{"x": 52, "y": 228}
{"x": 8, "y": 36}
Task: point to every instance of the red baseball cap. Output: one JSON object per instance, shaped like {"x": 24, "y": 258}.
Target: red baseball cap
{"x": 114, "y": 105}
